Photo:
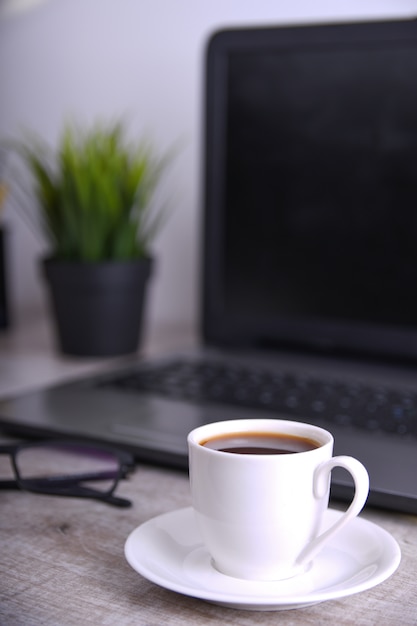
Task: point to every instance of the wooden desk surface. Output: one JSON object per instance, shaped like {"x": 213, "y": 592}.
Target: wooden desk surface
{"x": 62, "y": 560}
{"x": 62, "y": 563}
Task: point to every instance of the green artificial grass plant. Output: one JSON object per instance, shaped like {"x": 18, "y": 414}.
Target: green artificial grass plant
{"x": 95, "y": 193}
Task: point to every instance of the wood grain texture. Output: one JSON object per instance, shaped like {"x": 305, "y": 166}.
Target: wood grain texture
{"x": 62, "y": 563}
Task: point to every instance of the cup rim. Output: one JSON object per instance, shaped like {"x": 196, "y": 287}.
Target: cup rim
{"x": 302, "y": 429}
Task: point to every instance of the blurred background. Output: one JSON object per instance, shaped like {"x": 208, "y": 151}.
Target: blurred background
{"x": 100, "y": 59}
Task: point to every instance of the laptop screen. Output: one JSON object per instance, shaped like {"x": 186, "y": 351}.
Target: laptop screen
{"x": 311, "y": 187}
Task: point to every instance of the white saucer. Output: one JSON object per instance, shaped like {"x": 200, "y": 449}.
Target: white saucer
{"x": 168, "y": 551}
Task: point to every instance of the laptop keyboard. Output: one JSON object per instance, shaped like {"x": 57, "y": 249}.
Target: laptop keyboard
{"x": 298, "y": 396}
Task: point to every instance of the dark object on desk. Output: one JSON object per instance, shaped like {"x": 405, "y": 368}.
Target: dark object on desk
{"x": 98, "y": 307}
{"x": 4, "y": 304}
{"x": 71, "y": 469}
{"x": 309, "y": 266}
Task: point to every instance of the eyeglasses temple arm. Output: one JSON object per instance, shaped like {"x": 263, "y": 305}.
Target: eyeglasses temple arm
{"x": 9, "y": 484}
{"x": 86, "y": 492}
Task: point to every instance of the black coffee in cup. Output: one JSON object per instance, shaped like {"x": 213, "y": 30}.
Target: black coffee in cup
{"x": 260, "y": 443}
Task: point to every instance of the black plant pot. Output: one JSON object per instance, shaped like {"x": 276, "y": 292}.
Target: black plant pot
{"x": 98, "y": 307}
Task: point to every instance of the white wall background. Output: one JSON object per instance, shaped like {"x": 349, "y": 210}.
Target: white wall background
{"x": 91, "y": 59}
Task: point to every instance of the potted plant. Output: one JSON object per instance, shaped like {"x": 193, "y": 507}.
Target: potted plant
{"x": 95, "y": 201}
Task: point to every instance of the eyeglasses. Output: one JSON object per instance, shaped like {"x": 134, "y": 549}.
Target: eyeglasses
{"x": 69, "y": 469}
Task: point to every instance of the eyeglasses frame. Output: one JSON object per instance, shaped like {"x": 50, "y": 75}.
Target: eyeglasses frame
{"x": 126, "y": 464}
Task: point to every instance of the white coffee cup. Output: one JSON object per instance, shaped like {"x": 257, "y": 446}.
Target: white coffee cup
{"x": 260, "y": 514}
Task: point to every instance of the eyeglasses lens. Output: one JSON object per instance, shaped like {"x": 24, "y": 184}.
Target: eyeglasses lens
{"x": 60, "y": 467}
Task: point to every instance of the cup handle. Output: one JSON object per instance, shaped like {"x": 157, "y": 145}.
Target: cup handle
{"x": 320, "y": 486}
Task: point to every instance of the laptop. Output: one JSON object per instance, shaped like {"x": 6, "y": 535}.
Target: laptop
{"x": 309, "y": 272}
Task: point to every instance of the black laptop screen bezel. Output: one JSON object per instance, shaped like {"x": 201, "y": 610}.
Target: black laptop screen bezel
{"x": 223, "y": 327}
